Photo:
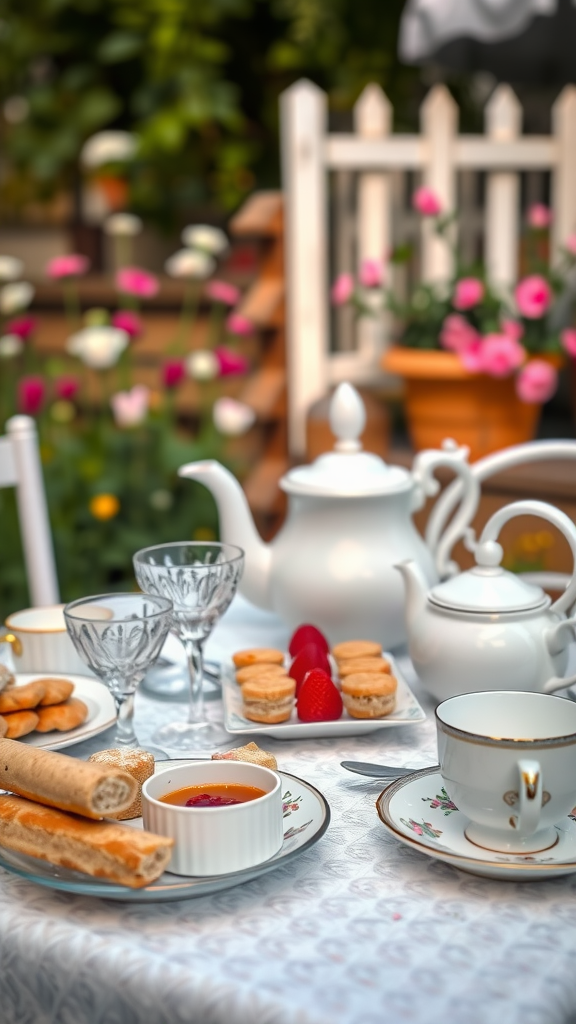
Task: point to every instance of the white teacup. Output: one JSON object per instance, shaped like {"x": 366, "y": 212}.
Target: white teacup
{"x": 40, "y": 642}
{"x": 508, "y": 761}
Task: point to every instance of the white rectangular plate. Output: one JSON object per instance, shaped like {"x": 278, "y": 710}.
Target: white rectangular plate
{"x": 101, "y": 711}
{"x": 406, "y": 712}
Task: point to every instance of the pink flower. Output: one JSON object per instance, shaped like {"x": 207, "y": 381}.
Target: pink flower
{"x": 471, "y": 357}
{"x": 222, "y": 291}
{"x": 135, "y": 281}
{"x": 130, "y": 407}
{"x": 533, "y": 296}
{"x": 426, "y": 202}
{"x": 536, "y": 382}
{"x": 342, "y": 289}
{"x": 128, "y": 321}
{"x": 371, "y": 274}
{"x": 238, "y": 324}
{"x": 568, "y": 339}
{"x": 570, "y": 244}
{"x": 230, "y": 363}
{"x": 457, "y": 335}
{"x": 512, "y": 329}
{"x": 31, "y": 394}
{"x": 469, "y": 291}
{"x": 72, "y": 265}
{"x": 539, "y": 216}
{"x": 22, "y": 326}
{"x": 173, "y": 372}
{"x": 500, "y": 355}
{"x": 66, "y": 387}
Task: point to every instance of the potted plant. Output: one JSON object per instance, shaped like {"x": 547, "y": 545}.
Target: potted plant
{"x": 478, "y": 364}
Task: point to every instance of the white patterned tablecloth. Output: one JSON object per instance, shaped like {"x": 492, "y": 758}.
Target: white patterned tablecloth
{"x": 358, "y": 930}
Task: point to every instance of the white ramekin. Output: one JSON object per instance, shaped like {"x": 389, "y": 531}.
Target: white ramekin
{"x": 216, "y": 840}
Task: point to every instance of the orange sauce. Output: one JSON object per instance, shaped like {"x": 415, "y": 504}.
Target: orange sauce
{"x": 212, "y": 795}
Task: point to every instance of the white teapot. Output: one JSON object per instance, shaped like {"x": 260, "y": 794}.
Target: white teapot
{"x": 488, "y": 629}
{"x": 349, "y": 521}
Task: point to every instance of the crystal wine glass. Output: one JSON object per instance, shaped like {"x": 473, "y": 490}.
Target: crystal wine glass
{"x": 200, "y": 580}
{"x": 119, "y": 636}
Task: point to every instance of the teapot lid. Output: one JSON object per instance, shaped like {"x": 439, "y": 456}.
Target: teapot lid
{"x": 347, "y": 471}
{"x": 488, "y": 587}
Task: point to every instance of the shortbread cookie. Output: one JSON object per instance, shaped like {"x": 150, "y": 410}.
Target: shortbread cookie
{"x": 261, "y": 668}
{"x": 138, "y": 763}
{"x": 351, "y": 666}
{"x": 57, "y": 690}
{"x": 356, "y": 649}
{"x": 268, "y": 700}
{"x": 369, "y": 695}
{"x": 21, "y": 698}
{"x": 20, "y": 723}
{"x": 251, "y": 753}
{"x": 62, "y": 717}
{"x": 256, "y": 655}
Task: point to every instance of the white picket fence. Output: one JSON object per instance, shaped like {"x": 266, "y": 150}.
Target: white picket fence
{"x": 377, "y": 157}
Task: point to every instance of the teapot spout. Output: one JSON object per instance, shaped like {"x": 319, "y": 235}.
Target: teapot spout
{"x": 416, "y": 588}
{"x": 236, "y": 526}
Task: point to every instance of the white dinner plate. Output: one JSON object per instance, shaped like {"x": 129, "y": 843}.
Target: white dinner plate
{"x": 306, "y": 818}
{"x": 101, "y": 711}
{"x": 418, "y": 811}
{"x": 406, "y": 712}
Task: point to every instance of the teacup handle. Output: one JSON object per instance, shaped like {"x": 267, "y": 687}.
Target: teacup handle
{"x": 14, "y": 641}
{"x": 530, "y": 793}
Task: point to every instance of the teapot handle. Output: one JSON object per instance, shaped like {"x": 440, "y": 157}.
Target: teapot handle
{"x": 425, "y": 464}
{"x": 488, "y": 551}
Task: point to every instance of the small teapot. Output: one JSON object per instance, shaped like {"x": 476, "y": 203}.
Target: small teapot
{"x": 349, "y": 521}
{"x": 488, "y": 629}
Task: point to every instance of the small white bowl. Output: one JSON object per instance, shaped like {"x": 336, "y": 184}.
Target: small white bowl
{"x": 216, "y": 840}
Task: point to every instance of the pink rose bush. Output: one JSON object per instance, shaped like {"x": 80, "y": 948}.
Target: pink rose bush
{"x": 469, "y": 291}
{"x": 426, "y": 202}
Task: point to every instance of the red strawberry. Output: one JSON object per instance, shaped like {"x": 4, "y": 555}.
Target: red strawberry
{"x": 308, "y": 657}
{"x": 318, "y": 699}
{"x": 307, "y": 634}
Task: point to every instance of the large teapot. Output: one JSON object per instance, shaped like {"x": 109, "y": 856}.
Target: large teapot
{"x": 349, "y": 521}
{"x": 488, "y": 629}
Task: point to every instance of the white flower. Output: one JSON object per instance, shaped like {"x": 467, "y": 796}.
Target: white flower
{"x": 15, "y": 296}
{"x": 107, "y": 148}
{"x": 10, "y": 345}
{"x": 131, "y": 407}
{"x": 98, "y": 347}
{"x": 231, "y": 417}
{"x": 205, "y": 237}
{"x": 190, "y": 263}
{"x": 123, "y": 224}
{"x": 202, "y": 365}
{"x": 10, "y": 268}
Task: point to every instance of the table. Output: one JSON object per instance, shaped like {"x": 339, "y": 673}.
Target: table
{"x": 358, "y": 930}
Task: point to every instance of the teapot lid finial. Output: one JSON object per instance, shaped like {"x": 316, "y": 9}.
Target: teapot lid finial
{"x": 347, "y": 418}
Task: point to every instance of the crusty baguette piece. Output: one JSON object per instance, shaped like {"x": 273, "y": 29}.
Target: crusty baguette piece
{"x": 93, "y": 790}
{"x": 103, "y": 849}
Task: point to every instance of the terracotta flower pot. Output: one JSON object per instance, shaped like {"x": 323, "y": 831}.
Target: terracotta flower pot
{"x": 443, "y": 400}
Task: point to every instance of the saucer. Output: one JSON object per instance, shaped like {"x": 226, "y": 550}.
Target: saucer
{"x": 417, "y": 810}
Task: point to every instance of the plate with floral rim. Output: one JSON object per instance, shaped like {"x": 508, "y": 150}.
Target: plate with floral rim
{"x": 407, "y": 712}
{"x": 306, "y": 818}
{"x": 419, "y": 813}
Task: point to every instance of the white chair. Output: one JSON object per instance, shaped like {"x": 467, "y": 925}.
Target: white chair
{"x": 20, "y": 468}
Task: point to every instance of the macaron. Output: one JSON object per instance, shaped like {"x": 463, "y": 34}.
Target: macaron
{"x": 369, "y": 694}
{"x": 357, "y": 649}
{"x": 256, "y": 655}
{"x": 268, "y": 699}
{"x": 261, "y": 668}
{"x": 352, "y": 666}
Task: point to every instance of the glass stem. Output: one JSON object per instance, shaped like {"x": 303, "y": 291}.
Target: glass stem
{"x": 125, "y": 735}
{"x": 195, "y": 658}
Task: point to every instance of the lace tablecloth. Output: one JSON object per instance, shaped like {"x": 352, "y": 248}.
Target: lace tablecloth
{"x": 358, "y": 930}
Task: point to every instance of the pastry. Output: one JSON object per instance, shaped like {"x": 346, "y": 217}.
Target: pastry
{"x": 351, "y": 666}
{"x": 369, "y": 694}
{"x": 22, "y": 698}
{"x": 256, "y": 655}
{"x": 57, "y": 690}
{"x": 19, "y": 723}
{"x": 7, "y": 679}
{"x": 103, "y": 849}
{"x": 261, "y": 668}
{"x": 357, "y": 649}
{"x": 65, "y": 782}
{"x": 138, "y": 763}
{"x": 250, "y": 753}
{"x": 268, "y": 699}
{"x": 3, "y": 727}
{"x": 61, "y": 717}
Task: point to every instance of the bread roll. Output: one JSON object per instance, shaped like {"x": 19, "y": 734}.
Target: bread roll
{"x": 22, "y": 698}
{"x": 65, "y": 782}
{"x": 103, "y": 849}
{"x": 61, "y": 717}
{"x": 57, "y": 690}
{"x": 138, "y": 763}
{"x": 251, "y": 753}
{"x": 20, "y": 723}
